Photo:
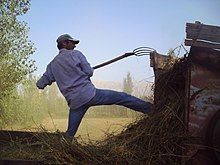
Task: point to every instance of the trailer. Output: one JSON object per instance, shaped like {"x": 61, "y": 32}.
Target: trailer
{"x": 201, "y": 90}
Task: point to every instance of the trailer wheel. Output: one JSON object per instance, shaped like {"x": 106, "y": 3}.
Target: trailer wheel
{"x": 213, "y": 134}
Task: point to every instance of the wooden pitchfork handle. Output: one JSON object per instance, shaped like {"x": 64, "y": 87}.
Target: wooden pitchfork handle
{"x": 114, "y": 60}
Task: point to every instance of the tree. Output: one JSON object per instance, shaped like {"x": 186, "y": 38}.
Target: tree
{"x": 15, "y": 62}
{"x": 15, "y": 47}
{"x": 128, "y": 84}
{"x": 127, "y": 88}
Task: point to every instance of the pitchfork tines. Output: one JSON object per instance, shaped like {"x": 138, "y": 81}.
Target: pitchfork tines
{"x": 143, "y": 51}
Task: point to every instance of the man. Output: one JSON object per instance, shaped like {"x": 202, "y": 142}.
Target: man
{"x": 72, "y": 73}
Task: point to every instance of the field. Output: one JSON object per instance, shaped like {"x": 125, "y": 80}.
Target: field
{"x": 92, "y": 128}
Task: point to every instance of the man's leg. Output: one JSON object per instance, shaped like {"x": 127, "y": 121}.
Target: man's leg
{"x": 75, "y": 117}
{"x": 110, "y": 97}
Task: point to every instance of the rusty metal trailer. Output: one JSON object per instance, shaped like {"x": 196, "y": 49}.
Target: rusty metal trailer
{"x": 202, "y": 91}
{"x": 203, "y": 112}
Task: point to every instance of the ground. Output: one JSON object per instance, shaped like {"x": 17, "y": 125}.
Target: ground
{"x": 94, "y": 128}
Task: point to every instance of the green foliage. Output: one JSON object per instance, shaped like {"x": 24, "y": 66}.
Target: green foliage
{"x": 14, "y": 7}
{"x": 15, "y": 46}
{"x": 15, "y": 62}
{"x": 40, "y": 104}
{"x": 28, "y": 105}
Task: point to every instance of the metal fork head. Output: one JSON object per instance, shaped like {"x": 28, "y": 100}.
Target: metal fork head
{"x": 142, "y": 51}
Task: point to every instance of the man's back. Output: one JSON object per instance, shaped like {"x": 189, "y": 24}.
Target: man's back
{"x": 72, "y": 72}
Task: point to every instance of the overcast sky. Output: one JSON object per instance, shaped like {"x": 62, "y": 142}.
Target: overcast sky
{"x": 109, "y": 28}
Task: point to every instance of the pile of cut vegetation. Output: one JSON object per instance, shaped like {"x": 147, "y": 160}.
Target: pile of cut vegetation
{"x": 155, "y": 139}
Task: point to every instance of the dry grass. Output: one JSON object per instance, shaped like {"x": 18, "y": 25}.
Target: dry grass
{"x": 91, "y": 128}
{"x": 156, "y": 139}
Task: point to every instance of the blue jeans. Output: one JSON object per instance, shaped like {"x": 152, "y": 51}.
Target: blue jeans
{"x": 106, "y": 97}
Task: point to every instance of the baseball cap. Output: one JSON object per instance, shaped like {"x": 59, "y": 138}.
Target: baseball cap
{"x": 66, "y": 37}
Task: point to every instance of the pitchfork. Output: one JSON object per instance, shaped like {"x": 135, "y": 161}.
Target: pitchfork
{"x": 141, "y": 51}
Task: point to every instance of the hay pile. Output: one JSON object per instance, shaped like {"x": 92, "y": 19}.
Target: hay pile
{"x": 155, "y": 139}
